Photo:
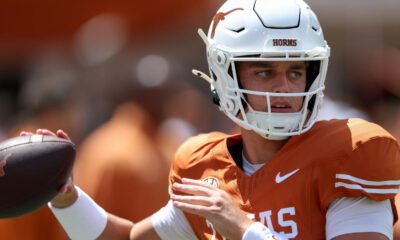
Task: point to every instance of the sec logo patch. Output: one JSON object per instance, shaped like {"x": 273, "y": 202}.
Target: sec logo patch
{"x": 212, "y": 181}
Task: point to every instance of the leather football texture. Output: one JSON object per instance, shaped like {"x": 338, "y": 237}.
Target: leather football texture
{"x": 32, "y": 169}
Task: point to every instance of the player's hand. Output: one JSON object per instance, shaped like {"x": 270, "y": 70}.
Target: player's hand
{"x": 214, "y": 204}
{"x": 60, "y": 133}
{"x": 67, "y": 194}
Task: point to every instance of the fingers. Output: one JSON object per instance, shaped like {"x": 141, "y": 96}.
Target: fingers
{"x": 197, "y": 183}
{"x": 66, "y": 196}
{"x": 23, "y": 133}
{"x": 67, "y": 188}
{"x": 202, "y": 198}
{"x": 197, "y": 200}
{"x": 195, "y": 209}
{"x": 196, "y": 188}
{"x": 60, "y": 133}
{"x": 45, "y": 132}
{"x": 192, "y": 189}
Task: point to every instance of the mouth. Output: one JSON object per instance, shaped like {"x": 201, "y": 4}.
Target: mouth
{"x": 281, "y": 107}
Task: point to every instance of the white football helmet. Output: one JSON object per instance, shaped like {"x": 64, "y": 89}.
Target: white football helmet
{"x": 265, "y": 30}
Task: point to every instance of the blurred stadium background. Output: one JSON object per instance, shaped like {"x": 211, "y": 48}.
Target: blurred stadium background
{"x": 88, "y": 56}
{"x": 69, "y": 64}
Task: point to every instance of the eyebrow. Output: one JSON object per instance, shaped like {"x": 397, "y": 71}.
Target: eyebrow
{"x": 296, "y": 66}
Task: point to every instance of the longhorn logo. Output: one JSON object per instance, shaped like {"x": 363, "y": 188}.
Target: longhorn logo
{"x": 220, "y": 16}
{"x": 2, "y": 164}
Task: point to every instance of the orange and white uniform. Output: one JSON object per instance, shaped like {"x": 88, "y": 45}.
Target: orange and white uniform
{"x": 291, "y": 193}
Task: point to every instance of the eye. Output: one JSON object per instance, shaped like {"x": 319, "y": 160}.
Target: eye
{"x": 295, "y": 74}
{"x": 264, "y": 73}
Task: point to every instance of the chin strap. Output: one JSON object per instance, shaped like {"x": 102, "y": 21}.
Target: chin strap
{"x": 204, "y": 76}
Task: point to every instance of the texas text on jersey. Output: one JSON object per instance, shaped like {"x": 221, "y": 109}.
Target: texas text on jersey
{"x": 291, "y": 193}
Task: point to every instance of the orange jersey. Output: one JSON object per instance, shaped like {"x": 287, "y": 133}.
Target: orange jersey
{"x": 291, "y": 193}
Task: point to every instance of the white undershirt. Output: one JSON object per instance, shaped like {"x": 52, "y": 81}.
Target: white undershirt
{"x": 250, "y": 168}
{"x": 344, "y": 215}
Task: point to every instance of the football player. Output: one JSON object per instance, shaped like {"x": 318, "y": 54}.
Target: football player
{"x": 285, "y": 176}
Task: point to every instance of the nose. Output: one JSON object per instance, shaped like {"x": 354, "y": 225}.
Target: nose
{"x": 281, "y": 84}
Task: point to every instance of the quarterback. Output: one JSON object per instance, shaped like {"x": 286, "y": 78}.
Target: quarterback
{"x": 285, "y": 176}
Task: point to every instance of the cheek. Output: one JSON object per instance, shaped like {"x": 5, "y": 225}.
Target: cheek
{"x": 245, "y": 82}
{"x": 256, "y": 85}
{"x": 297, "y": 102}
{"x": 258, "y": 103}
{"x": 299, "y": 85}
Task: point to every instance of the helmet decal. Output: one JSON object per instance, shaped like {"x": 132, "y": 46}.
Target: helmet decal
{"x": 285, "y": 42}
{"x": 220, "y": 16}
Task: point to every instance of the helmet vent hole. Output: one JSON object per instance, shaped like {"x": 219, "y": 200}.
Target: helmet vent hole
{"x": 314, "y": 28}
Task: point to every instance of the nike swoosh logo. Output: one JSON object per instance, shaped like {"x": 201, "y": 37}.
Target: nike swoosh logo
{"x": 279, "y": 179}
{"x": 3, "y": 162}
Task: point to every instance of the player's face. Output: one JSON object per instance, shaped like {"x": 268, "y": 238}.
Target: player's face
{"x": 276, "y": 77}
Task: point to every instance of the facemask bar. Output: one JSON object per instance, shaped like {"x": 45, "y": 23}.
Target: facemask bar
{"x": 303, "y": 111}
{"x": 307, "y": 117}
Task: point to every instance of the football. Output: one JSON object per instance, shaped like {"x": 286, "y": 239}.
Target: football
{"x": 32, "y": 169}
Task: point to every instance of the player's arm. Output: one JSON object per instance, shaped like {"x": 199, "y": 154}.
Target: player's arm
{"x": 359, "y": 218}
{"x": 82, "y": 218}
{"x": 364, "y": 236}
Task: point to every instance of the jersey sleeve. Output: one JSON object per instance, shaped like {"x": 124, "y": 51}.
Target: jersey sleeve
{"x": 182, "y": 161}
{"x": 351, "y": 215}
{"x": 371, "y": 169}
{"x": 194, "y": 156}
